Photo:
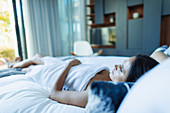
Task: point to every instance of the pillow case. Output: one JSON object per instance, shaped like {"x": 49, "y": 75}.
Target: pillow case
{"x": 167, "y": 51}
{"x": 105, "y": 97}
{"x": 162, "y": 48}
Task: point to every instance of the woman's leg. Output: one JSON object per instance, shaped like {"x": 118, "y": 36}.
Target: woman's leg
{"x": 10, "y": 65}
{"x": 36, "y": 60}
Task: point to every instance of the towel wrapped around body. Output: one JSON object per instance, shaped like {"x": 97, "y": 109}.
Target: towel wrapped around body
{"x": 77, "y": 79}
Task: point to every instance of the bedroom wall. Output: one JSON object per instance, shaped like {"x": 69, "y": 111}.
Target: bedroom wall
{"x": 136, "y": 36}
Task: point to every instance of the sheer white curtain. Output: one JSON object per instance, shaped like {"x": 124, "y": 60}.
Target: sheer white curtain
{"x": 72, "y": 21}
{"x": 52, "y": 26}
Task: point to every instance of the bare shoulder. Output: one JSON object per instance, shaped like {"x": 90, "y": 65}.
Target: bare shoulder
{"x": 101, "y": 76}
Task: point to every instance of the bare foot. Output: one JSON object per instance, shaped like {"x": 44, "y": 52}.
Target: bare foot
{"x": 17, "y": 59}
{"x": 9, "y": 64}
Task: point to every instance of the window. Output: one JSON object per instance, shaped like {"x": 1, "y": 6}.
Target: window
{"x": 8, "y": 42}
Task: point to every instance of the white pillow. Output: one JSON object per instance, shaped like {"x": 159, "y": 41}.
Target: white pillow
{"x": 151, "y": 93}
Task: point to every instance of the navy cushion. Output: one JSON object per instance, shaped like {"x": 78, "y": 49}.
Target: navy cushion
{"x": 105, "y": 97}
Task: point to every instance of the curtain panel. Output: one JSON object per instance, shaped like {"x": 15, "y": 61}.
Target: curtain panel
{"x": 52, "y": 26}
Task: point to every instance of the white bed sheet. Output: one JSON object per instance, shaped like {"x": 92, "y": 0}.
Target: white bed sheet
{"x": 19, "y": 94}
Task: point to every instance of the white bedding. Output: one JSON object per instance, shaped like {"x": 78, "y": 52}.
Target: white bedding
{"x": 22, "y": 94}
{"x": 18, "y": 94}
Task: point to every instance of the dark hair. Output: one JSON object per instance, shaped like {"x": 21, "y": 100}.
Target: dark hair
{"x": 139, "y": 66}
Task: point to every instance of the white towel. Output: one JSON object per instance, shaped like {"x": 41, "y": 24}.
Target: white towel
{"x": 79, "y": 76}
{"x": 77, "y": 79}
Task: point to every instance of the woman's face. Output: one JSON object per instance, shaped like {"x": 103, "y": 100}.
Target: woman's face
{"x": 120, "y": 73}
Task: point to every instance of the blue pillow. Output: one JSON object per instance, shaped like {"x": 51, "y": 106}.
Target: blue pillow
{"x": 105, "y": 97}
{"x": 167, "y": 51}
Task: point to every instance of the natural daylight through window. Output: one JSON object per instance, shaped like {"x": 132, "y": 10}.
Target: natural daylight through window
{"x": 8, "y": 43}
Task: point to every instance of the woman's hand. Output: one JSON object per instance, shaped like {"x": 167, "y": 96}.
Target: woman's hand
{"x": 60, "y": 81}
{"x": 74, "y": 62}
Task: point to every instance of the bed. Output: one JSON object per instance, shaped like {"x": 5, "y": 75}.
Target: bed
{"x": 22, "y": 94}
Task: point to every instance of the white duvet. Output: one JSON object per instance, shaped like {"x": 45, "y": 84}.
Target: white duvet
{"x": 29, "y": 93}
{"x": 18, "y": 94}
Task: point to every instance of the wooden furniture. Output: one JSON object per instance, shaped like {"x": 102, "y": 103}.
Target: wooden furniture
{"x": 140, "y": 34}
{"x": 165, "y": 28}
{"x": 102, "y": 46}
{"x": 98, "y": 20}
{"x": 91, "y": 16}
{"x": 135, "y": 26}
{"x": 135, "y": 9}
{"x": 135, "y": 34}
{"x": 97, "y": 16}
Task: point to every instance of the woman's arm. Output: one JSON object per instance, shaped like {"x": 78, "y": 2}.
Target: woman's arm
{"x": 60, "y": 82}
{"x": 68, "y": 97}
{"x": 31, "y": 61}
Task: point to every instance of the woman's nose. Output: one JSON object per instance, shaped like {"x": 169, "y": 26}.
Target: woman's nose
{"x": 117, "y": 66}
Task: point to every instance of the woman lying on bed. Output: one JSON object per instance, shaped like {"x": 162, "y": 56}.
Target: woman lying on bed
{"x": 129, "y": 71}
